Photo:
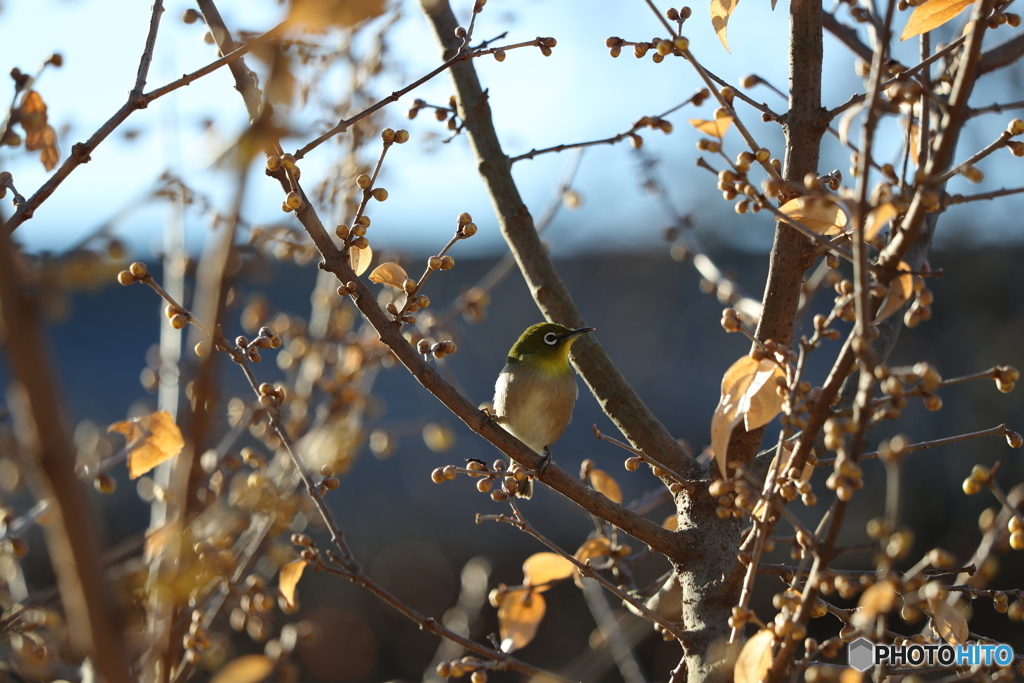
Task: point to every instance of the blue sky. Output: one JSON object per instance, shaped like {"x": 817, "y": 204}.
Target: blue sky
{"x": 579, "y": 93}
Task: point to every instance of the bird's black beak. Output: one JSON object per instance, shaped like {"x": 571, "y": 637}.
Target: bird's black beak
{"x": 576, "y": 333}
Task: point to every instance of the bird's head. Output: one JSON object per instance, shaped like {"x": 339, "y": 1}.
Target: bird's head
{"x": 547, "y": 343}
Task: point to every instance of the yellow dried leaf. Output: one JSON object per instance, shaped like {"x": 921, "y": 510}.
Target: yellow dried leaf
{"x": 720, "y": 12}
{"x": 715, "y": 129}
{"x": 877, "y": 218}
{"x": 540, "y": 570}
{"x": 391, "y": 274}
{"x": 900, "y": 290}
{"x": 359, "y": 259}
{"x": 949, "y": 623}
{"x": 317, "y": 15}
{"x": 671, "y": 523}
{"x": 748, "y": 396}
{"x": 49, "y": 156}
{"x": 288, "y": 579}
{"x": 604, "y": 484}
{"x": 160, "y": 440}
{"x": 755, "y": 659}
{"x": 915, "y": 139}
{"x": 519, "y": 616}
{"x": 244, "y": 669}
{"x": 591, "y": 548}
{"x": 32, "y": 112}
{"x": 817, "y": 213}
{"x": 38, "y": 133}
{"x": 931, "y": 15}
{"x": 878, "y": 599}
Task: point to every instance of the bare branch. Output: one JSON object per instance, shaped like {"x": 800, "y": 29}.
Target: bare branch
{"x": 616, "y": 397}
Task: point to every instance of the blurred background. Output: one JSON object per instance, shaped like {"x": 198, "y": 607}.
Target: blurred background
{"x": 620, "y": 217}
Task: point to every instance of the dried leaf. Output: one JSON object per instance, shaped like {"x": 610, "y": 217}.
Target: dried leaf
{"x": 915, "y": 139}
{"x": 900, "y": 290}
{"x": 244, "y": 669}
{"x": 49, "y": 155}
{"x": 317, "y": 15}
{"x": 604, "y": 484}
{"x": 288, "y": 579}
{"x": 878, "y": 599}
{"x": 542, "y": 569}
{"x": 38, "y": 133}
{"x": 519, "y": 616}
{"x": 32, "y": 112}
{"x": 160, "y": 440}
{"x": 755, "y": 659}
{"x": 720, "y": 12}
{"x": 748, "y": 396}
{"x": 391, "y": 274}
{"x": 931, "y": 15}
{"x": 817, "y": 213}
{"x": 716, "y": 128}
{"x": 671, "y": 522}
{"x": 360, "y": 259}
{"x": 877, "y": 218}
{"x": 949, "y": 623}
{"x": 591, "y": 548}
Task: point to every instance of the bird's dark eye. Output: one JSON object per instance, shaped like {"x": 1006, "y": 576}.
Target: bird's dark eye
{"x": 550, "y": 338}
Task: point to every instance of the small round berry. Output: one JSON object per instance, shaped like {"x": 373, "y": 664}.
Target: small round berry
{"x": 341, "y": 231}
{"x": 138, "y": 269}
{"x": 105, "y": 484}
{"x": 468, "y": 230}
{"x": 363, "y": 181}
{"x": 433, "y": 263}
{"x": 499, "y": 55}
{"x": 681, "y": 44}
{"x": 293, "y": 200}
{"x": 380, "y": 194}
{"x": 178, "y": 321}
{"x": 125, "y": 278}
{"x": 190, "y": 16}
{"x": 401, "y": 136}
{"x": 447, "y": 262}
{"x": 202, "y": 349}
{"x": 360, "y": 243}
{"x": 387, "y": 135}
{"x": 273, "y": 163}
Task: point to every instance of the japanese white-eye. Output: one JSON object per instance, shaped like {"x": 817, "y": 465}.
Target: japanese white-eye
{"x": 536, "y": 390}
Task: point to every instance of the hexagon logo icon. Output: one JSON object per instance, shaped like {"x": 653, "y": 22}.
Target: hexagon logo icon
{"x": 861, "y": 654}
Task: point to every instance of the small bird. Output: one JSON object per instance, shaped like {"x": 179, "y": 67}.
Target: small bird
{"x": 536, "y": 390}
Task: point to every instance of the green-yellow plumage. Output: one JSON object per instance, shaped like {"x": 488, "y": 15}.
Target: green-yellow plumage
{"x": 536, "y": 390}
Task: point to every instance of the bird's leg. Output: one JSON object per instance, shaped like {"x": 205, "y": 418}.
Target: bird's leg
{"x": 545, "y": 462}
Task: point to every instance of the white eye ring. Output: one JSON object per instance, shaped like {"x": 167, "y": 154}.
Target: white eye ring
{"x": 550, "y": 338}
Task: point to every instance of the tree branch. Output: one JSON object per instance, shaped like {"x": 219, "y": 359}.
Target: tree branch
{"x": 72, "y": 538}
{"x": 616, "y": 397}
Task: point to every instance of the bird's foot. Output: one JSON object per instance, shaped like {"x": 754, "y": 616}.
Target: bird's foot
{"x": 545, "y": 462}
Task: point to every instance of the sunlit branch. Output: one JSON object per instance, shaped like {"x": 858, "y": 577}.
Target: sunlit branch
{"x": 999, "y": 143}
{"x": 461, "y": 56}
{"x": 951, "y": 200}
